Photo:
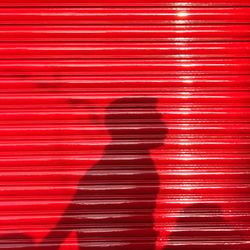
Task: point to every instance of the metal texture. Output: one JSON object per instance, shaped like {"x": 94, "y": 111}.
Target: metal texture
{"x": 125, "y": 125}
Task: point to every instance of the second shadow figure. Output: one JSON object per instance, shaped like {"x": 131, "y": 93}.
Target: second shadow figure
{"x": 113, "y": 208}
{"x": 202, "y": 226}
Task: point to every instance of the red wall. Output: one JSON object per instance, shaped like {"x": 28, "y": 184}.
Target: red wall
{"x": 63, "y": 62}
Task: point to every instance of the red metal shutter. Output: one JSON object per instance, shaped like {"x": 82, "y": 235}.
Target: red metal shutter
{"x": 125, "y": 124}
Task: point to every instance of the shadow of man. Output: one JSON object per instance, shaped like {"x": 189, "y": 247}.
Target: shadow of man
{"x": 113, "y": 207}
{"x": 202, "y": 227}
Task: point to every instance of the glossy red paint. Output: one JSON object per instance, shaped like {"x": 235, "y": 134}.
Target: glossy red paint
{"x": 125, "y": 33}
{"x": 124, "y": 3}
{"x": 125, "y": 125}
{"x": 124, "y": 50}
{"x": 125, "y": 16}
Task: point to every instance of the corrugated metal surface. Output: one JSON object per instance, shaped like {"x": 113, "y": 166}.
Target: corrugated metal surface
{"x": 125, "y": 124}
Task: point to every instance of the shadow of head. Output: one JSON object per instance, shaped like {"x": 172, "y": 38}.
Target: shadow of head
{"x": 136, "y": 120}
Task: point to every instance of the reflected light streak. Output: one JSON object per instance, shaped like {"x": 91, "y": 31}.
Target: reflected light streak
{"x": 185, "y": 95}
{"x": 182, "y": 14}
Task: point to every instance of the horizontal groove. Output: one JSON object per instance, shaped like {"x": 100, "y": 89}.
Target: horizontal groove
{"x": 123, "y": 185}
{"x": 55, "y": 51}
{"x": 121, "y": 67}
{"x": 55, "y": 151}
{"x": 103, "y": 138}
{"x": 139, "y": 226}
{"x": 34, "y": 120}
{"x": 109, "y": 97}
{"x": 126, "y": 212}
{"x": 185, "y": 166}
{"x": 95, "y": 131}
{"x": 41, "y": 150}
{"x": 130, "y": 158}
{"x": 83, "y": 122}
{"x": 57, "y": 82}
{"x": 109, "y": 33}
{"x": 130, "y": 16}
{"x": 130, "y": 241}
{"x": 82, "y": 112}
{"x": 85, "y": 99}
{"x": 172, "y": 212}
{"x": 127, "y": 90}
{"x": 213, "y": 227}
{"x": 134, "y": 114}
{"x": 90, "y": 231}
{"x": 53, "y": 129}
{"x": 191, "y": 173}
{"x": 85, "y": 118}
{"x": 135, "y": 204}
{"x": 124, "y": 3}
{"x": 186, "y": 190}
